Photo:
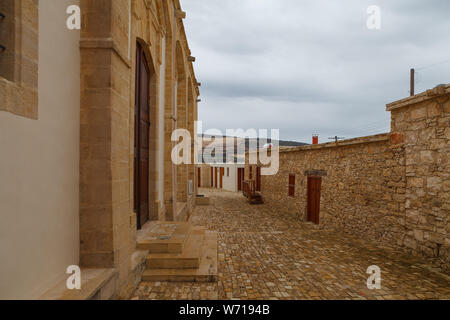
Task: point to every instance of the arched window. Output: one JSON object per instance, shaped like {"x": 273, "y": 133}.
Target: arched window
{"x": 7, "y": 39}
{"x": 19, "y": 57}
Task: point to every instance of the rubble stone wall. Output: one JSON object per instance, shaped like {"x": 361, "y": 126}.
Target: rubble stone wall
{"x": 392, "y": 188}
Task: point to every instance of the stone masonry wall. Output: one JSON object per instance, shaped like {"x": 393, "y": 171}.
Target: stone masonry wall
{"x": 423, "y": 122}
{"x": 362, "y": 186}
{"x": 391, "y": 188}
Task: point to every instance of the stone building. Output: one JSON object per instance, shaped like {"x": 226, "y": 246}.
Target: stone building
{"x": 86, "y": 118}
{"x": 227, "y": 176}
{"x": 391, "y": 188}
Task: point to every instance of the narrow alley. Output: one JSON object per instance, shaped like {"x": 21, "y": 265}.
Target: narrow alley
{"x": 265, "y": 254}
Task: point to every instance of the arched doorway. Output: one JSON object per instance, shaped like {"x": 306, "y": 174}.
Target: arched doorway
{"x": 141, "y": 137}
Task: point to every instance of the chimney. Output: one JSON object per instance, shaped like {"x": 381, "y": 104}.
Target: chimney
{"x": 315, "y": 139}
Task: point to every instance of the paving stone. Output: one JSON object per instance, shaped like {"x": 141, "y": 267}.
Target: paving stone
{"x": 268, "y": 255}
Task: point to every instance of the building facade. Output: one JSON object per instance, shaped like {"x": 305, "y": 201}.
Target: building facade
{"x": 229, "y": 177}
{"x": 391, "y": 188}
{"x": 86, "y": 121}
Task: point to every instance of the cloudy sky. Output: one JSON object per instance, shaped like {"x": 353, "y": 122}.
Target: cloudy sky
{"x": 313, "y": 66}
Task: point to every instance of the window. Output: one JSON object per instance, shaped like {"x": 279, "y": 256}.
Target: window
{"x": 19, "y": 57}
{"x": 7, "y": 39}
{"x": 292, "y": 185}
{"x": 228, "y": 172}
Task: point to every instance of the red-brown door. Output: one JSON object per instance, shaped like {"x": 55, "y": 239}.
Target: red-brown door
{"x": 215, "y": 178}
{"x": 199, "y": 179}
{"x": 240, "y": 178}
{"x": 313, "y": 206}
{"x": 258, "y": 179}
{"x": 222, "y": 173}
{"x": 141, "y": 139}
{"x": 212, "y": 177}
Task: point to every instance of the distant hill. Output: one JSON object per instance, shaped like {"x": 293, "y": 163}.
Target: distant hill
{"x": 259, "y": 143}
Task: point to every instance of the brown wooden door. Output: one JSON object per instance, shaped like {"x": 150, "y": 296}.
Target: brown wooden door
{"x": 212, "y": 177}
{"x": 141, "y": 139}
{"x": 199, "y": 177}
{"x": 222, "y": 173}
{"x": 215, "y": 177}
{"x": 313, "y": 206}
{"x": 258, "y": 179}
{"x": 240, "y": 178}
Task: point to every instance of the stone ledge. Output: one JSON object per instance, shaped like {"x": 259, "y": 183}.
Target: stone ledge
{"x": 421, "y": 97}
{"x": 96, "y": 284}
{"x": 104, "y": 43}
{"x": 350, "y": 142}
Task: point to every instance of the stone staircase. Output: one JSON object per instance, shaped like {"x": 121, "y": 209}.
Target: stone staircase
{"x": 179, "y": 252}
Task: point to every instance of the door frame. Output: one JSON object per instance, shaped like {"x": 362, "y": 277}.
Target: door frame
{"x": 222, "y": 173}
{"x": 240, "y": 178}
{"x": 258, "y": 179}
{"x": 215, "y": 177}
{"x": 212, "y": 177}
{"x": 139, "y": 175}
{"x": 313, "y": 195}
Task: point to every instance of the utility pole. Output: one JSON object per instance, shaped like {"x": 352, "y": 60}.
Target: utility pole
{"x": 336, "y": 138}
{"x": 412, "y": 81}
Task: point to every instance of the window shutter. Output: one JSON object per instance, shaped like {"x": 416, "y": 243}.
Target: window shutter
{"x": 292, "y": 185}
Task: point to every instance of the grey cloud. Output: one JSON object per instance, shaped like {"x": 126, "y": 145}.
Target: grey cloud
{"x": 312, "y": 66}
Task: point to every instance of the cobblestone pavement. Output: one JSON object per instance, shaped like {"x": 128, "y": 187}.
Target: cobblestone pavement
{"x": 270, "y": 255}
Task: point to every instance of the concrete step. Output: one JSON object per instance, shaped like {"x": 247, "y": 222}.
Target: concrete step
{"x": 188, "y": 259}
{"x": 206, "y": 272}
{"x": 172, "y": 244}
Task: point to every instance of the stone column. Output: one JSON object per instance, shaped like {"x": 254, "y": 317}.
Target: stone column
{"x": 107, "y": 221}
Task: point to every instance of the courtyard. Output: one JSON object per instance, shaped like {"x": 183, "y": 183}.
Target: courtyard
{"x": 264, "y": 254}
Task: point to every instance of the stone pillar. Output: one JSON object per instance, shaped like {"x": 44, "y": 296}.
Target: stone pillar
{"x": 182, "y": 174}
{"x": 169, "y": 126}
{"x": 107, "y": 221}
{"x": 422, "y": 123}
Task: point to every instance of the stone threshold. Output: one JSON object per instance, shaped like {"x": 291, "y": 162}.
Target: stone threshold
{"x": 96, "y": 284}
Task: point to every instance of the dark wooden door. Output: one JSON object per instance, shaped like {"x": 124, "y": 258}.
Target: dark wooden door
{"x": 240, "y": 178}
{"x": 199, "y": 177}
{"x": 222, "y": 173}
{"x": 258, "y": 179}
{"x": 313, "y": 206}
{"x": 141, "y": 139}
{"x": 215, "y": 177}
{"x": 212, "y": 177}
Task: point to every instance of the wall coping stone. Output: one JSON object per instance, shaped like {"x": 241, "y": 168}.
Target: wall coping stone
{"x": 342, "y": 143}
{"x": 434, "y": 93}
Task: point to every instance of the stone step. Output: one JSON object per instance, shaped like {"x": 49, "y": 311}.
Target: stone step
{"x": 206, "y": 272}
{"x": 188, "y": 259}
{"x": 173, "y": 243}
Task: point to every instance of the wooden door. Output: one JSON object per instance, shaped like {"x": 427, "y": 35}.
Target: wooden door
{"x": 258, "y": 179}
{"x": 240, "y": 178}
{"x": 199, "y": 177}
{"x": 212, "y": 177}
{"x": 141, "y": 138}
{"x": 222, "y": 173}
{"x": 313, "y": 206}
{"x": 215, "y": 177}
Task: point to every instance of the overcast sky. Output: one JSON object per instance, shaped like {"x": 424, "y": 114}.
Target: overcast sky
{"x": 313, "y": 66}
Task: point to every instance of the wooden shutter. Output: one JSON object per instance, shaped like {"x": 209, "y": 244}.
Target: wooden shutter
{"x": 292, "y": 185}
